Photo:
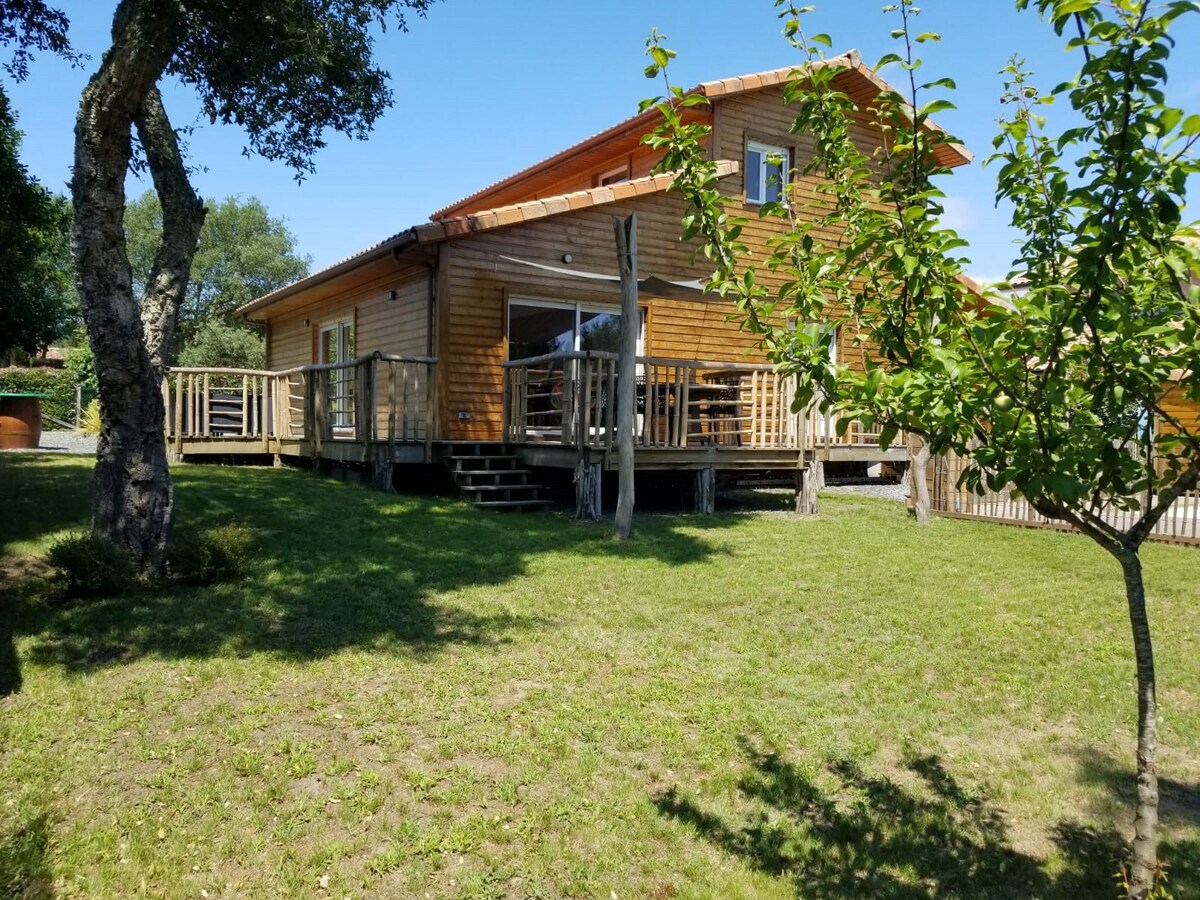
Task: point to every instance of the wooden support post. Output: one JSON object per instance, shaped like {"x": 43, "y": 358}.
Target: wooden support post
{"x": 809, "y": 481}
{"x": 245, "y": 406}
{"x": 381, "y": 468}
{"x": 626, "y": 235}
{"x": 587, "y": 490}
{"x": 706, "y": 491}
{"x": 206, "y": 401}
{"x": 430, "y": 408}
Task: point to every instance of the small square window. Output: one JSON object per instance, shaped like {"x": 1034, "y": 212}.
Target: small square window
{"x": 612, "y": 176}
{"x": 767, "y": 170}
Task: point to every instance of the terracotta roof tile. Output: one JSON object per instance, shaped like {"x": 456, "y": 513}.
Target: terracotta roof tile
{"x": 532, "y": 210}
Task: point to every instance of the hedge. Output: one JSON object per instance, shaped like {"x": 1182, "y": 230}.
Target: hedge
{"x": 59, "y": 384}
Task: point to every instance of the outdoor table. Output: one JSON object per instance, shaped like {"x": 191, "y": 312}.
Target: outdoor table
{"x": 20, "y": 420}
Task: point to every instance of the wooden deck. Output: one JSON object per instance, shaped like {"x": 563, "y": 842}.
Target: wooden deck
{"x": 559, "y": 412}
{"x": 378, "y": 408}
{"x": 561, "y": 407}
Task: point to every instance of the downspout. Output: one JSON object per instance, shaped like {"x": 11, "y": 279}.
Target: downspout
{"x": 431, "y": 308}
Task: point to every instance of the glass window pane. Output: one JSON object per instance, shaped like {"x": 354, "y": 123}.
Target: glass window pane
{"x": 600, "y": 331}
{"x": 754, "y": 167}
{"x": 536, "y": 330}
{"x": 774, "y": 181}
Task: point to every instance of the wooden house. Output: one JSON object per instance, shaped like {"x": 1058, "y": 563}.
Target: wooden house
{"x": 489, "y": 332}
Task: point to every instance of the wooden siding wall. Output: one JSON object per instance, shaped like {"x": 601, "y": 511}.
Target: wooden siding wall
{"x": 762, "y": 116}
{"x": 479, "y": 283}
{"x": 1186, "y": 411}
{"x": 391, "y": 326}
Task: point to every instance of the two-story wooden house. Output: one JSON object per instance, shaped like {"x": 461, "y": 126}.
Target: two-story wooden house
{"x": 490, "y": 331}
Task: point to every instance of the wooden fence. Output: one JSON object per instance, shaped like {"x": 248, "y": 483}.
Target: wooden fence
{"x": 1180, "y": 524}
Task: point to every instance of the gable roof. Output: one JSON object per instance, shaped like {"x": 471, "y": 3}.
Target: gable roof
{"x": 466, "y": 216}
{"x": 859, "y": 81}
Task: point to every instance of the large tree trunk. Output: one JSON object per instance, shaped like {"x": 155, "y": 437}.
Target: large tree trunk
{"x": 132, "y": 497}
{"x": 1144, "y": 868}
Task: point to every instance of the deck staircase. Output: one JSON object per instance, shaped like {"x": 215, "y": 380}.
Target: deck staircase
{"x": 490, "y": 478}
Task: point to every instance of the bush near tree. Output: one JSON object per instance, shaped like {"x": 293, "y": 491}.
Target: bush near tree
{"x": 59, "y": 384}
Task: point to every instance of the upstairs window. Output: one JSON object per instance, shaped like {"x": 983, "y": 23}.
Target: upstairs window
{"x": 766, "y": 172}
{"x": 613, "y": 176}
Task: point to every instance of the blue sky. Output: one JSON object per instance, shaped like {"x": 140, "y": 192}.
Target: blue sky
{"x": 485, "y": 87}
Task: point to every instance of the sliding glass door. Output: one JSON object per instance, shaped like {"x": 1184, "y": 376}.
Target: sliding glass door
{"x": 538, "y": 327}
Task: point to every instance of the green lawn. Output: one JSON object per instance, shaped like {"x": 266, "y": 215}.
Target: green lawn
{"x": 408, "y": 697}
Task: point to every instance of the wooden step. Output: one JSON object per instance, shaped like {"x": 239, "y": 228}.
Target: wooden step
{"x": 491, "y": 472}
{"x": 488, "y": 476}
{"x": 500, "y": 487}
{"x": 512, "y": 504}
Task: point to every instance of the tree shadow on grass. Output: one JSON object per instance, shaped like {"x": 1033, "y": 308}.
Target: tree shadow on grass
{"x": 337, "y": 566}
{"x": 1178, "y": 807}
{"x": 1178, "y": 801}
{"x": 24, "y": 861}
{"x": 837, "y": 831}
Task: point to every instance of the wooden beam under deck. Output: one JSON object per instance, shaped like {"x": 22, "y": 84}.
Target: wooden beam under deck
{"x": 337, "y": 451}
{"x": 663, "y": 459}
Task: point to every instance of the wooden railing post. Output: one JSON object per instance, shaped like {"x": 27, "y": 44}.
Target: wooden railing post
{"x": 585, "y": 411}
{"x": 430, "y": 406}
{"x": 506, "y": 404}
{"x": 178, "y": 412}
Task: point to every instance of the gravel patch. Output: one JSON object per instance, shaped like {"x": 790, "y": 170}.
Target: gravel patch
{"x": 897, "y": 492}
{"x": 63, "y": 442}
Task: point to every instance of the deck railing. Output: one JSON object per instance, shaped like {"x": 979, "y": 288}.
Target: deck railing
{"x": 567, "y": 398}
{"x": 379, "y": 397}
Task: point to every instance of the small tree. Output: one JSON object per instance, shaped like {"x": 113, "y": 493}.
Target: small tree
{"x": 220, "y": 343}
{"x": 1055, "y": 394}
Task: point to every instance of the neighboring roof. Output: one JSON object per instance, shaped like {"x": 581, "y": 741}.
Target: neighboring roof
{"x": 867, "y": 84}
{"x": 552, "y": 206}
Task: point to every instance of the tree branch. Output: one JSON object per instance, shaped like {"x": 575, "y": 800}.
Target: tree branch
{"x": 182, "y": 217}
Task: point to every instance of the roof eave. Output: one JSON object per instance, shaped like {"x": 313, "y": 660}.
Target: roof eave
{"x": 392, "y": 245}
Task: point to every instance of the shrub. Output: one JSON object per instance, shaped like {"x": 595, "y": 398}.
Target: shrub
{"x": 58, "y": 384}
{"x": 91, "y": 564}
{"x": 216, "y": 554}
{"x": 81, "y": 364}
{"x": 89, "y": 423}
